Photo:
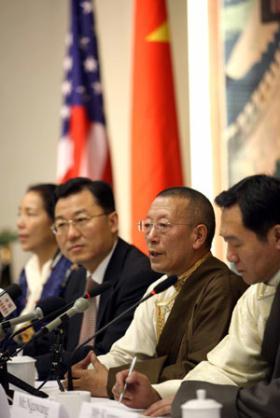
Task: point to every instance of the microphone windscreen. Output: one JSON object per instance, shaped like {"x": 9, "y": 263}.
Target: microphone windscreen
{"x": 14, "y": 290}
{"x": 51, "y": 305}
{"x": 98, "y": 290}
{"x": 7, "y": 298}
{"x": 170, "y": 281}
{"x": 79, "y": 306}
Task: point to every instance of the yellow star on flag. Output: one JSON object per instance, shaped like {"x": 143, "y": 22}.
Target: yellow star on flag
{"x": 160, "y": 34}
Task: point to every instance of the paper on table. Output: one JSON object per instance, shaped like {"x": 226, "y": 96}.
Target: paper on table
{"x": 123, "y": 409}
{"x": 111, "y": 405}
{"x": 4, "y": 405}
{"x": 107, "y": 408}
{"x": 115, "y": 404}
{"x": 28, "y": 406}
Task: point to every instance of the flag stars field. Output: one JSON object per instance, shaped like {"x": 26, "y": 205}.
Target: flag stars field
{"x": 97, "y": 87}
{"x": 83, "y": 149}
{"x": 65, "y": 112}
{"x": 68, "y": 39}
{"x": 84, "y": 41}
{"x": 80, "y": 89}
{"x": 66, "y": 87}
{"x": 90, "y": 64}
{"x": 68, "y": 63}
{"x": 86, "y": 6}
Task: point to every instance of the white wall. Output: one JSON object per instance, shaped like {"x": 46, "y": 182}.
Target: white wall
{"x": 32, "y": 47}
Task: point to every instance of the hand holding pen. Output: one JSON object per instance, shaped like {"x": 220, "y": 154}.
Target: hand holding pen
{"x": 134, "y": 389}
{"x": 131, "y": 368}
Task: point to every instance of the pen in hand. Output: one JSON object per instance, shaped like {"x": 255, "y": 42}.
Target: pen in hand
{"x": 131, "y": 368}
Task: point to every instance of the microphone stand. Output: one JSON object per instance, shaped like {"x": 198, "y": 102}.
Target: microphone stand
{"x": 4, "y": 372}
{"x": 117, "y": 318}
{"x": 56, "y": 358}
{"x": 169, "y": 281}
{"x": 6, "y": 378}
{"x": 57, "y": 349}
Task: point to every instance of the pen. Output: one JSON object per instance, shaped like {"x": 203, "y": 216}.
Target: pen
{"x": 131, "y": 368}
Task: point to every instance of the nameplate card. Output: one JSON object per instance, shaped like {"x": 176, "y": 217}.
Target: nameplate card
{"x": 4, "y": 404}
{"x": 7, "y": 305}
{"x": 106, "y": 410}
{"x": 29, "y": 406}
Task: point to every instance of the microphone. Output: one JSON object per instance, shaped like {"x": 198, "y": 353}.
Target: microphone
{"x": 63, "y": 307}
{"x": 80, "y": 305}
{"x": 164, "y": 285}
{"x": 42, "y": 309}
{"x": 97, "y": 290}
{"x": 14, "y": 290}
{"x": 161, "y": 287}
{"x": 7, "y": 298}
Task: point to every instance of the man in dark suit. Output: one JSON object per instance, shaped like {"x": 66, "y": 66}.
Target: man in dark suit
{"x": 86, "y": 228}
{"x": 129, "y": 273}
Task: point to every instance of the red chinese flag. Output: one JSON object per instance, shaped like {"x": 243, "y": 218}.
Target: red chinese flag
{"x": 156, "y": 162}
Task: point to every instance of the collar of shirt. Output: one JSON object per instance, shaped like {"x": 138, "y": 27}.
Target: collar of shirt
{"x": 268, "y": 289}
{"x": 98, "y": 274}
{"x": 183, "y": 277}
{"x": 36, "y": 278}
{"x": 34, "y": 275}
{"x": 163, "y": 307}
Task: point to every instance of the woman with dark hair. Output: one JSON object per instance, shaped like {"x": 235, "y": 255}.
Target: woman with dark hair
{"x": 45, "y": 272}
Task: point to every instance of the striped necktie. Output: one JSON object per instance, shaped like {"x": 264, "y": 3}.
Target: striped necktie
{"x": 89, "y": 317}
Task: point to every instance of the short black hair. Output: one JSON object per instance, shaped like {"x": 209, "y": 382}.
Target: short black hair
{"x": 203, "y": 212}
{"x": 47, "y": 194}
{"x": 258, "y": 198}
{"x": 100, "y": 190}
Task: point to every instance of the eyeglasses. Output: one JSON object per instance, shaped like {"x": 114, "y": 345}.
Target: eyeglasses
{"x": 61, "y": 226}
{"x": 160, "y": 227}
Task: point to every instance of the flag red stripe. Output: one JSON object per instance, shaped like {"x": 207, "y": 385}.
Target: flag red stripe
{"x": 83, "y": 148}
{"x": 79, "y": 129}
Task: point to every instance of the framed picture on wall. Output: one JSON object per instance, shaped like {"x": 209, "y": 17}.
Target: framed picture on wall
{"x": 249, "y": 35}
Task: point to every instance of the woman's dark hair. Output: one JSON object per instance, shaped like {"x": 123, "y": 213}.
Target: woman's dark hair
{"x": 258, "y": 198}
{"x": 47, "y": 194}
{"x": 101, "y": 191}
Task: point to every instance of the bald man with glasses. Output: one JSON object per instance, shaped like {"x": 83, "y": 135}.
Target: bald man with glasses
{"x": 172, "y": 332}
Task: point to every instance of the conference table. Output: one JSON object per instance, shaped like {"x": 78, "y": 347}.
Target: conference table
{"x": 69, "y": 405}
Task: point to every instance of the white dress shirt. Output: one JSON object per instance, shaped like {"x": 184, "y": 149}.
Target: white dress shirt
{"x": 236, "y": 360}
{"x": 36, "y": 278}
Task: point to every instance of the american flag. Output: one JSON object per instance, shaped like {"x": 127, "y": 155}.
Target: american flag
{"x": 83, "y": 147}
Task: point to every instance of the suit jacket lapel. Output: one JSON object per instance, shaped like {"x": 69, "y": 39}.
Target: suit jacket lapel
{"x": 112, "y": 275}
{"x": 271, "y": 339}
{"x": 176, "y": 321}
{"x": 182, "y": 310}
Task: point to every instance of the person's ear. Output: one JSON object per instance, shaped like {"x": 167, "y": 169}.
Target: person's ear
{"x": 276, "y": 235}
{"x": 113, "y": 220}
{"x": 199, "y": 236}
